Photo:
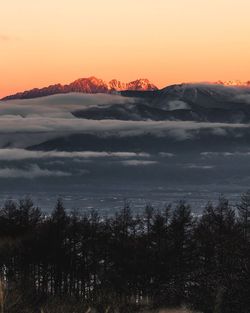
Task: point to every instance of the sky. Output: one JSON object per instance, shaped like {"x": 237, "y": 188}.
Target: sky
{"x": 44, "y": 42}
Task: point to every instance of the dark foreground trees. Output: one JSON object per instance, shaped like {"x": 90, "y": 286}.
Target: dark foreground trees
{"x": 163, "y": 258}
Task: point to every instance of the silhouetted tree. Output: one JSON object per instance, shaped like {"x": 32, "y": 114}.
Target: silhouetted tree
{"x": 162, "y": 258}
{"x": 244, "y": 214}
{"x": 181, "y": 252}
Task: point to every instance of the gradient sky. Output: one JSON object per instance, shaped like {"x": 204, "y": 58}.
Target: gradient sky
{"x": 168, "y": 41}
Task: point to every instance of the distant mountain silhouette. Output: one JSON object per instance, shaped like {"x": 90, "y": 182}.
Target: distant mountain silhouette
{"x": 86, "y": 85}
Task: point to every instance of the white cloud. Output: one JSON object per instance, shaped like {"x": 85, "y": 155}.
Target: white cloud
{"x": 21, "y": 154}
{"x": 59, "y": 106}
{"x": 219, "y": 131}
{"x": 33, "y": 171}
{"x": 177, "y": 105}
{"x": 200, "y": 167}
{"x": 243, "y": 98}
{"x": 55, "y": 162}
{"x": 138, "y": 163}
{"x": 225, "y": 154}
{"x": 166, "y": 155}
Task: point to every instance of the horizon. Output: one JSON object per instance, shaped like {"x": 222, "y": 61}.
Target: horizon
{"x": 197, "y": 42}
{"x": 226, "y": 83}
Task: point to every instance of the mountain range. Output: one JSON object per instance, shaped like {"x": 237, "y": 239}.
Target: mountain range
{"x": 226, "y": 102}
{"x": 91, "y": 132}
{"x": 89, "y": 85}
{"x": 93, "y": 85}
{"x": 182, "y": 102}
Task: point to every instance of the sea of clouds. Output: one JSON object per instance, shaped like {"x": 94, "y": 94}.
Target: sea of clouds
{"x": 24, "y": 123}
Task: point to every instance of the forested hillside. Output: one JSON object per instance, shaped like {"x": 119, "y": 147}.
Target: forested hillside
{"x": 161, "y": 259}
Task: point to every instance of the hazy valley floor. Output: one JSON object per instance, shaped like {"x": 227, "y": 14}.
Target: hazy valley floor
{"x": 111, "y": 199}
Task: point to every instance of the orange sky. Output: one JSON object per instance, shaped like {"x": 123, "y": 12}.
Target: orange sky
{"x": 168, "y": 41}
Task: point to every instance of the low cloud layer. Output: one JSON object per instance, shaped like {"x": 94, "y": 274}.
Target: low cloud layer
{"x": 59, "y": 105}
{"x": 22, "y": 154}
{"x": 24, "y": 123}
{"x": 23, "y": 132}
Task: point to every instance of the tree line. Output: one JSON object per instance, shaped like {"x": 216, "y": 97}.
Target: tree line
{"x": 161, "y": 258}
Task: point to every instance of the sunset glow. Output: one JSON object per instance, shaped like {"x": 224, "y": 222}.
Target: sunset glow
{"x": 49, "y": 41}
